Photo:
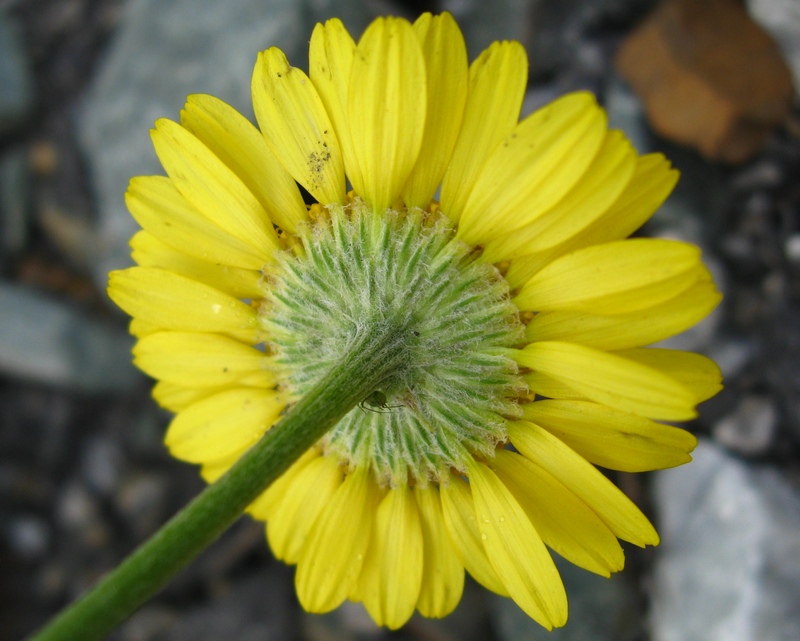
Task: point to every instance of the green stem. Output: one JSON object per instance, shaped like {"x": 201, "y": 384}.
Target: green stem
{"x": 369, "y": 362}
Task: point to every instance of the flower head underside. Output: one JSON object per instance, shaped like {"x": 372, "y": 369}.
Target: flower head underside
{"x": 494, "y": 251}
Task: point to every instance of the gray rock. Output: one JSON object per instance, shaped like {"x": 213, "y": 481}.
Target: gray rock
{"x": 732, "y": 355}
{"x": 142, "y": 502}
{"x": 600, "y": 609}
{"x": 762, "y": 173}
{"x": 349, "y": 622}
{"x": 685, "y": 217}
{"x": 16, "y": 83}
{"x": 470, "y": 621}
{"x": 781, "y": 18}
{"x": 76, "y": 508}
{"x": 729, "y": 562}
{"x": 626, "y": 113}
{"x": 103, "y": 463}
{"x": 256, "y": 608}
{"x": 28, "y": 536}
{"x": 51, "y": 342}
{"x": 15, "y": 194}
{"x": 557, "y": 32}
{"x": 147, "y": 624}
{"x": 537, "y": 96}
{"x": 162, "y": 53}
{"x": 696, "y": 208}
{"x": 484, "y": 22}
{"x": 565, "y": 35}
{"x": 750, "y": 428}
{"x": 792, "y": 249}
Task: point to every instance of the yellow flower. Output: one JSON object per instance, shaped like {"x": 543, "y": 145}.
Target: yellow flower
{"x": 522, "y": 310}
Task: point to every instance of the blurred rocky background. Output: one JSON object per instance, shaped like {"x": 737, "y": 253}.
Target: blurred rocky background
{"x": 83, "y": 474}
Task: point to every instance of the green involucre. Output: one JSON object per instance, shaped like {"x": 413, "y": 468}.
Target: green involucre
{"x": 359, "y": 270}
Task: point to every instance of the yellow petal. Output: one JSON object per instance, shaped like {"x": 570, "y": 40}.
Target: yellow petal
{"x": 634, "y": 329}
{"x": 447, "y": 72}
{"x": 159, "y": 208}
{"x": 175, "y": 302}
{"x": 149, "y": 251}
{"x": 297, "y": 128}
{"x": 330, "y": 59}
{"x": 544, "y": 385}
{"x": 614, "y": 278}
{"x": 565, "y": 523}
{"x": 612, "y": 380}
{"x": 534, "y": 167}
{"x": 386, "y": 104}
{"x": 516, "y": 550}
{"x": 310, "y": 490}
{"x": 213, "y": 471}
{"x": 201, "y": 360}
{"x": 210, "y": 186}
{"x": 610, "y": 438}
{"x": 497, "y": 81}
{"x": 596, "y": 191}
{"x": 270, "y": 499}
{"x": 336, "y": 546}
{"x": 392, "y": 572}
{"x": 176, "y": 398}
{"x": 235, "y": 141}
{"x": 140, "y": 328}
{"x": 652, "y": 182}
{"x": 458, "y": 510}
{"x": 615, "y": 509}
{"x": 220, "y": 425}
{"x": 443, "y": 573}
{"x": 698, "y": 373}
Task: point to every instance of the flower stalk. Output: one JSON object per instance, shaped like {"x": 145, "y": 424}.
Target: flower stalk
{"x": 377, "y": 354}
